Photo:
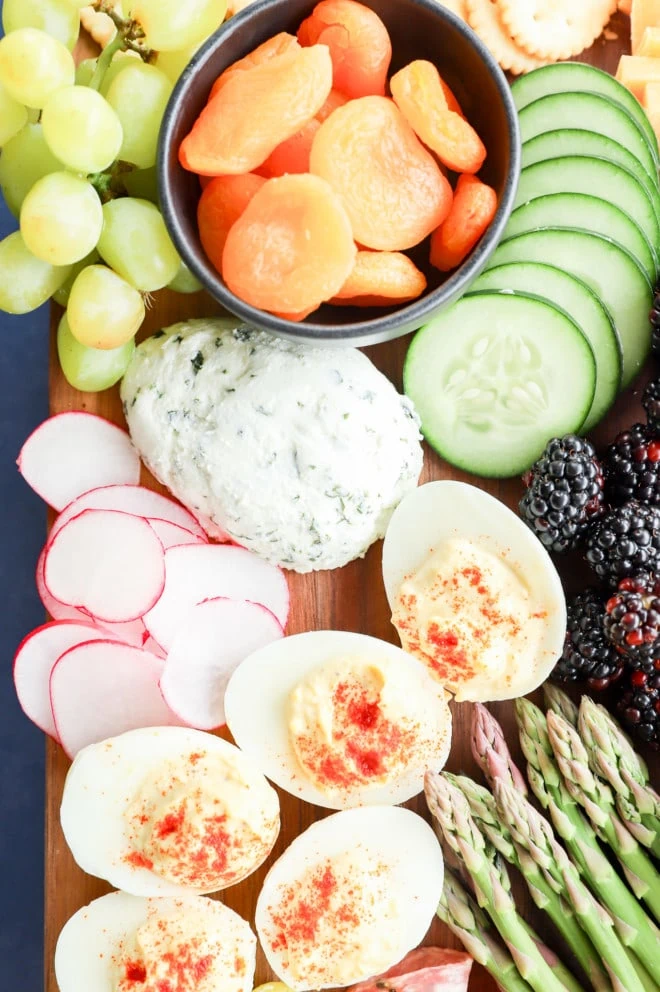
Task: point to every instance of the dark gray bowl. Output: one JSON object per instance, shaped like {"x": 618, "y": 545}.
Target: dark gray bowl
{"x": 420, "y": 29}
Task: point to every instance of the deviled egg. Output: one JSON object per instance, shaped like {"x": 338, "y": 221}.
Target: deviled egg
{"x": 350, "y": 897}
{"x": 168, "y": 811}
{"x": 473, "y": 593}
{"x": 339, "y": 719}
{"x": 123, "y": 943}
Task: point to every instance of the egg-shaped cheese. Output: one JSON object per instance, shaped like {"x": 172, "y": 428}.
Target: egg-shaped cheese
{"x": 168, "y": 811}
{"x": 298, "y": 453}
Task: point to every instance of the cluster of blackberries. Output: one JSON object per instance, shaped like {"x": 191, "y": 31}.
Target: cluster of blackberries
{"x": 610, "y": 509}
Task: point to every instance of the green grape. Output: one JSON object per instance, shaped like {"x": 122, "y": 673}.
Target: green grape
{"x": 13, "y": 116}
{"x": 173, "y": 24}
{"x": 81, "y": 129}
{"x": 84, "y": 72}
{"x": 25, "y": 281}
{"x": 135, "y": 243}
{"x": 139, "y": 95}
{"x": 24, "y": 160}
{"x": 33, "y": 65}
{"x": 61, "y": 218}
{"x": 184, "y": 281}
{"x": 173, "y": 63}
{"x": 104, "y": 310}
{"x": 120, "y": 61}
{"x": 56, "y": 17}
{"x": 142, "y": 183}
{"x": 90, "y": 369}
{"x": 62, "y": 294}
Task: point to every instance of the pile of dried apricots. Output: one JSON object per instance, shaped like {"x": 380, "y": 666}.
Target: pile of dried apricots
{"x": 316, "y": 181}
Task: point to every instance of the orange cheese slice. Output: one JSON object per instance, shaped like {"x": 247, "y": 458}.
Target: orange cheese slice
{"x": 635, "y": 71}
{"x": 644, "y": 14}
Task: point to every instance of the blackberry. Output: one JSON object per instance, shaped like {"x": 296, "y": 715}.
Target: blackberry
{"x": 632, "y": 467}
{"x": 639, "y": 707}
{"x": 632, "y": 621}
{"x": 587, "y": 656}
{"x": 625, "y": 541}
{"x": 654, "y": 319}
{"x": 651, "y": 403}
{"x": 564, "y": 493}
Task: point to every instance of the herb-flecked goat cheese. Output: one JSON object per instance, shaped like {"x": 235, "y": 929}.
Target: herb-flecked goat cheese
{"x": 299, "y": 453}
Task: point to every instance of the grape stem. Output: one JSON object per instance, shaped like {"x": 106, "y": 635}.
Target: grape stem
{"x": 129, "y": 32}
{"x": 104, "y": 60}
{"x": 109, "y": 184}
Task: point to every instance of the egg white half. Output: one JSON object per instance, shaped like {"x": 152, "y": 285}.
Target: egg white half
{"x": 103, "y": 782}
{"x": 256, "y": 709}
{"x": 438, "y": 512}
{"x": 397, "y": 837}
{"x": 91, "y": 939}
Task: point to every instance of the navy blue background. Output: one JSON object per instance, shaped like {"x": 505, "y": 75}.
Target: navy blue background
{"x": 23, "y": 404}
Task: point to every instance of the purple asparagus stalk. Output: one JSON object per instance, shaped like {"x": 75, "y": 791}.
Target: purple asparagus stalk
{"x": 491, "y": 751}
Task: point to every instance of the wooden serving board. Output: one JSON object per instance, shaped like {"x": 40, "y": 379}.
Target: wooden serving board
{"x": 352, "y": 598}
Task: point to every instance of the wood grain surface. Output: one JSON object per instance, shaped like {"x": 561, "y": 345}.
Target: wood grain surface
{"x": 351, "y": 598}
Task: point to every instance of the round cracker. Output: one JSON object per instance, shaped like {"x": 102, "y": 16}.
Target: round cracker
{"x": 555, "y": 29}
{"x": 484, "y": 19}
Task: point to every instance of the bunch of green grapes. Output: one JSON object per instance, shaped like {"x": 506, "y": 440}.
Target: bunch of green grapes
{"x": 77, "y": 168}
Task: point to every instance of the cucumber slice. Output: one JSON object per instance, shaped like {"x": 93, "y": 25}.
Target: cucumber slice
{"x": 580, "y": 303}
{"x": 589, "y": 213}
{"x": 570, "y": 141}
{"x": 495, "y": 376}
{"x": 607, "y": 268}
{"x": 578, "y": 77}
{"x": 595, "y": 177}
{"x": 590, "y": 112}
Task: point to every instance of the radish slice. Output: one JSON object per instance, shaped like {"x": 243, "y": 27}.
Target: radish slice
{"x": 171, "y": 535}
{"x": 214, "y": 532}
{"x": 73, "y": 452}
{"x": 137, "y": 500}
{"x": 194, "y": 573}
{"x": 133, "y": 632}
{"x": 35, "y": 659}
{"x": 110, "y": 565}
{"x": 104, "y": 688}
{"x": 153, "y": 648}
{"x": 213, "y": 639}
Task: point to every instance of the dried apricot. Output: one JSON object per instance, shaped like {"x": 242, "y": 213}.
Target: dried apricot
{"x": 472, "y": 211}
{"x": 278, "y": 45}
{"x": 292, "y": 248}
{"x": 380, "y": 279}
{"x": 293, "y": 154}
{"x": 391, "y": 186}
{"x": 221, "y": 204}
{"x": 359, "y": 44}
{"x": 418, "y": 93}
{"x": 335, "y": 100}
{"x": 256, "y": 111}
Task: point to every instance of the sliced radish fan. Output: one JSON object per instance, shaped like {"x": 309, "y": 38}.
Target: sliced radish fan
{"x": 211, "y": 641}
{"x": 194, "y": 573}
{"x": 73, "y": 452}
{"x": 104, "y": 688}
{"x": 171, "y": 535}
{"x": 35, "y": 659}
{"x": 110, "y": 565}
{"x": 136, "y": 500}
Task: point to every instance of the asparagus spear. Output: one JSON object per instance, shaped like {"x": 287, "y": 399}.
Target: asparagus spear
{"x": 545, "y": 893}
{"x": 614, "y": 759}
{"x": 472, "y": 927}
{"x": 490, "y": 750}
{"x": 634, "y": 927}
{"x": 557, "y": 700}
{"x": 596, "y": 798}
{"x": 451, "y": 809}
{"x": 533, "y": 833}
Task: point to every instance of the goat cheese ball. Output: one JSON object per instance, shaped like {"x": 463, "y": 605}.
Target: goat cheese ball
{"x": 299, "y": 453}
